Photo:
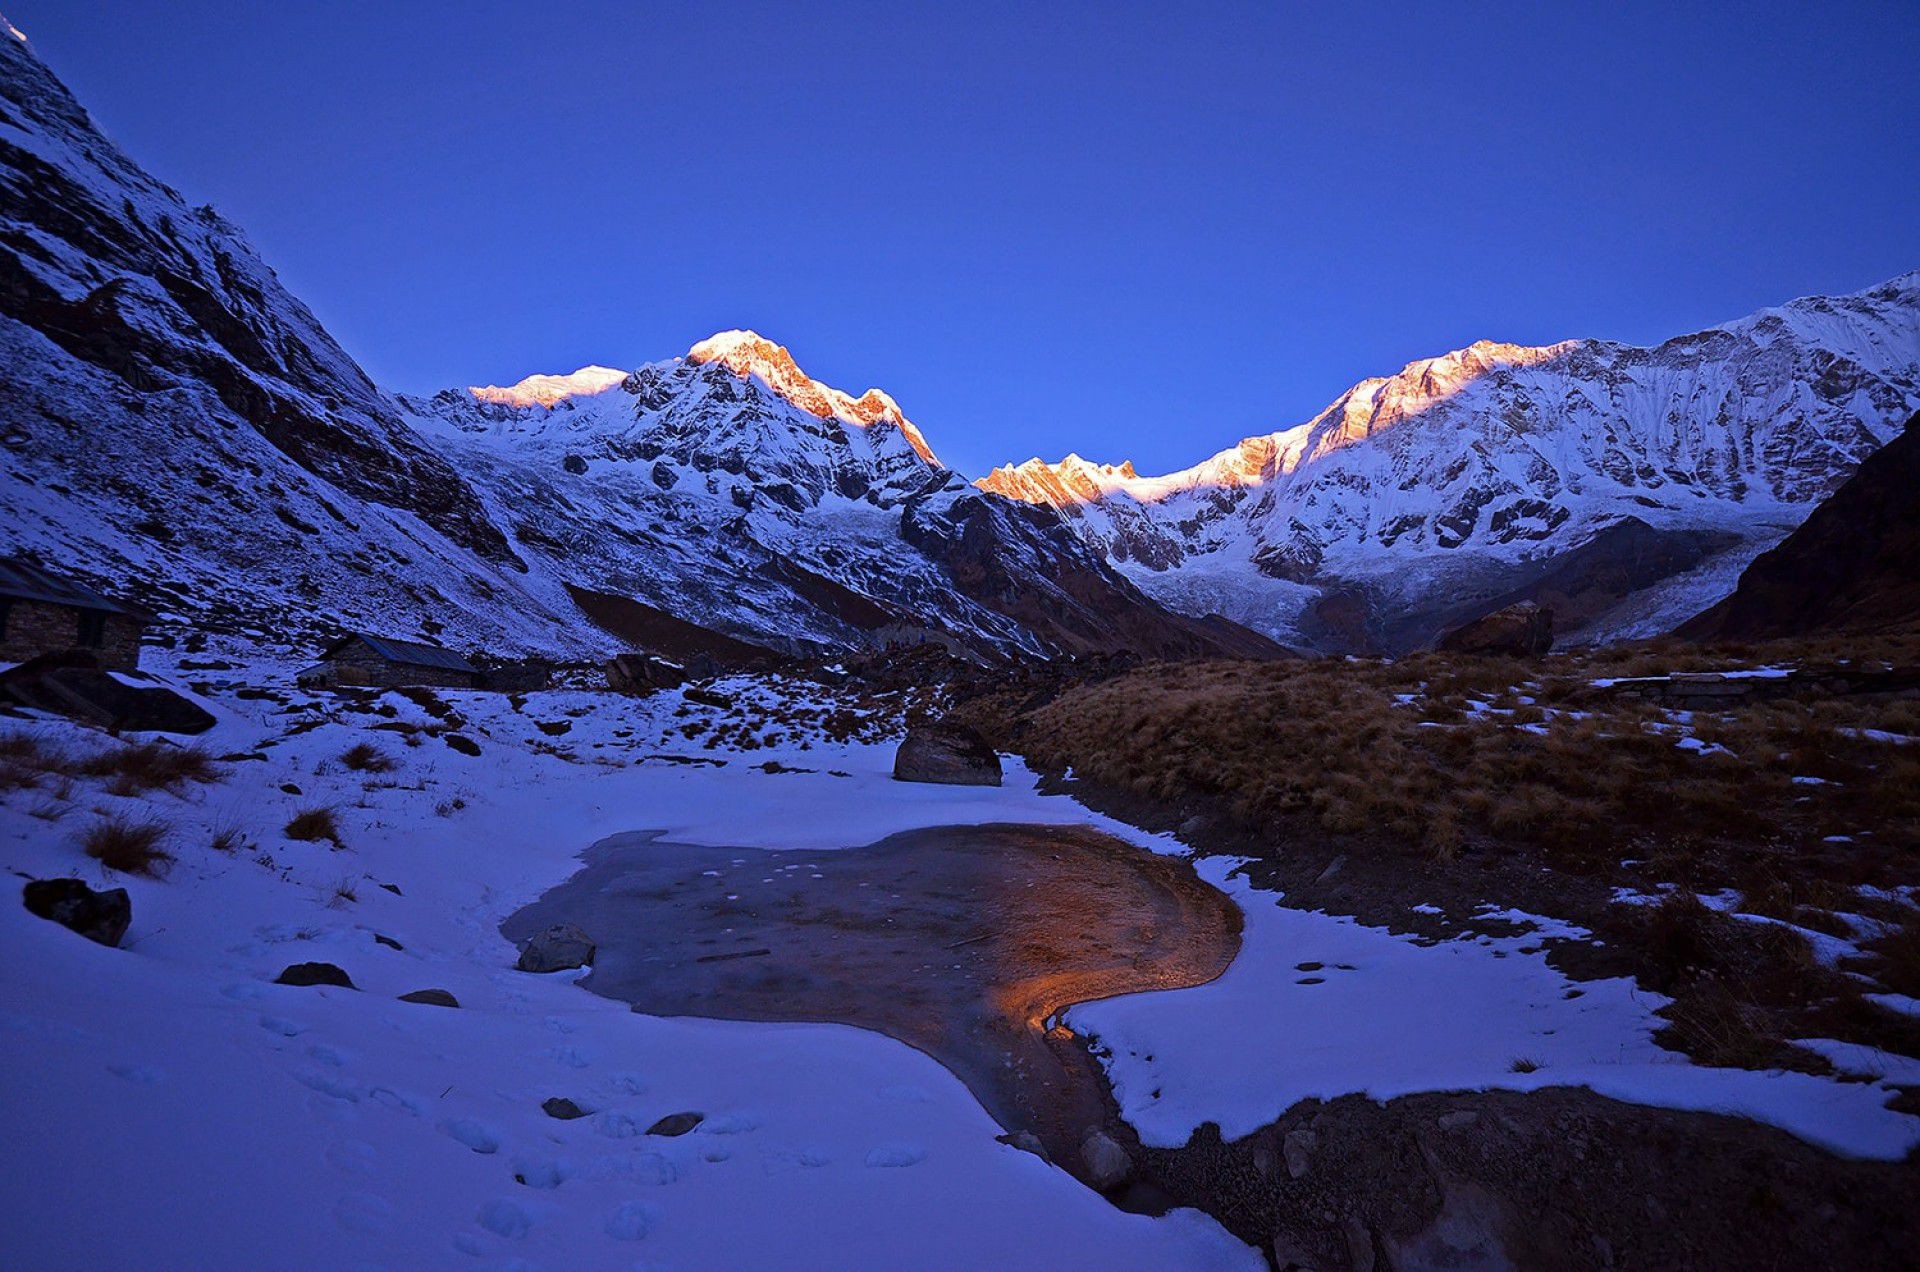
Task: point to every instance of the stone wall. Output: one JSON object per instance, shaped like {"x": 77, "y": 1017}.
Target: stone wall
{"x": 380, "y": 673}
{"x": 33, "y": 628}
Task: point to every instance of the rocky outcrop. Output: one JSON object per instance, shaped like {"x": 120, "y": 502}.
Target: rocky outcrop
{"x": 1523, "y": 630}
{"x": 1853, "y": 566}
{"x": 946, "y": 754}
{"x": 560, "y": 948}
{"x": 98, "y": 916}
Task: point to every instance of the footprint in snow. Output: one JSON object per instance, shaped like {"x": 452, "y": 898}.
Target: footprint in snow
{"x": 282, "y": 1026}
{"x": 363, "y": 1212}
{"x": 505, "y": 1219}
{"x": 814, "y": 1157}
{"x": 138, "y": 1074}
{"x": 896, "y": 1155}
{"x": 730, "y": 1124}
{"x": 471, "y": 1133}
{"x": 572, "y": 1057}
{"x": 632, "y": 1221}
{"x": 355, "y": 1157}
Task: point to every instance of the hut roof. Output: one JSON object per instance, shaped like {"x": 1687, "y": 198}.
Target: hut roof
{"x": 23, "y": 581}
{"x": 413, "y": 653}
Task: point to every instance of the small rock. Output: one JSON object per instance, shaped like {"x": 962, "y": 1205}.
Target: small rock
{"x": 708, "y": 698}
{"x": 387, "y": 941}
{"x": 676, "y": 1124}
{"x": 1107, "y": 1163}
{"x": 947, "y": 755}
{"x": 98, "y": 916}
{"x": 1458, "y": 1118}
{"x": 1333, "y": 868}
{"x": 461, "y": 743}
{"x": 1263, "y": 1162}
{"x": 1026, "y": 1142}
{"x": 1298, "y": 1149}
{"x": 557, "y": 949}
{"x": 314, "y": 974}
{"x": 289, "y": 788}
{"x": 561, "y": 1107}
{"x": 1289, "y": 1257}
{"x": 431, "y": 997}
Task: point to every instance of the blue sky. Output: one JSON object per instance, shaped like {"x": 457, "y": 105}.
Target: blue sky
{"x": 1135, "y": 231}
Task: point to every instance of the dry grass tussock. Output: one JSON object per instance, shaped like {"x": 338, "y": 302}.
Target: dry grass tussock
{"x": 1432, "y": 750}
{"x": 318, "y": 822}
{"x": 128, "y": 845}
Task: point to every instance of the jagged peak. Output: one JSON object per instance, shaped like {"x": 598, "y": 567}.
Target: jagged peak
{"x": 548, "y": 390}
{"x": 750, "y": 355}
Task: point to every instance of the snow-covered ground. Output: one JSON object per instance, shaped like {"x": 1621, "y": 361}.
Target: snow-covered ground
{"x": 167, "y": 1105}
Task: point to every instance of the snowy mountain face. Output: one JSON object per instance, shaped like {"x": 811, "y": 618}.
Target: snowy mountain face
{"x": 1414, "y": 499}
{"x": 179, "y": 429}
{"x": 730, "y": 488}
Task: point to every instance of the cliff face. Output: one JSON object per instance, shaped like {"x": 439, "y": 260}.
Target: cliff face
{"x": 1852, "y": 566}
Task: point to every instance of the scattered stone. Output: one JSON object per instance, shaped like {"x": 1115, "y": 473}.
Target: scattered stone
{"x": 1458, "y": 1118}
{"x": 1298, "y": 1149}
{"x": 387, "y": 941}
{"x": 461, "y": 743}
{"x": 946, "y": 754}
{"x": 314, "y": 974}
{"x": 1359, "y": 1244}
{"x": 1523, "y": 630}
{"x": 1026, "y": 1142}
{"x": 288, "y": 788}
{"x": 1107, "y": 1163}
{"x": 561, "y": 1107}
{"x": 559, "y": 948}
{"x": 1333, "y": 868}
{"x": 431, "y": 997}
{"x": 393, "y": 888}
{"x": 708, "y": 698}
{"x": 98, "y": 916}
{"x": 676, "y": 1124}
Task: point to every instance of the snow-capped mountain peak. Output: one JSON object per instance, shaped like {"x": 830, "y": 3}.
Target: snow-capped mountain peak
{"x": 545, "y": 390}
{"x": 750, "y": 355}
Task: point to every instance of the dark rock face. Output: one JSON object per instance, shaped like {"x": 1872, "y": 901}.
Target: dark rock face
{"x": 559, "y": 948}
{"x": 431, "y": 997}
{"x": 1852, "y": 566}
{"x": 166, "y": 295}
{"x": 1522, "y": 630}
{"x": 946, "y": 754}
{"x": 314, "y": 974}
{"x": 98, "y": 916}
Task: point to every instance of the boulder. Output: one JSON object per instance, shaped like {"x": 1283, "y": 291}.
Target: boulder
{"x": 947, "y": 754}
{"x": 1107, "y": 1163}
{"x": 98, "y": 916}
{"x": 1520, "y": 630}
{"x": 431, "y": 997}
{"x": 559, "y": 948}
{"x": 676, "y": 1124}
{"x": 642, "y": 673}
{"x": 559, "y": 1106}
{"x": 74, "y": 685}
{"x": 314, "y": 974}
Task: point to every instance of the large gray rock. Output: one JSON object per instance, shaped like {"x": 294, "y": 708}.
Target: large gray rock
{"x": 557, "y": 949}
{"x": 1107, "y": 1163}
{"x": 98, "y": 916}
{"x": 947, "y": 754}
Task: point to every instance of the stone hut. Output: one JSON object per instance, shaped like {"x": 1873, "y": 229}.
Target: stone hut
{"x": 358, "y": 659}
{"x": 41, "y": 614}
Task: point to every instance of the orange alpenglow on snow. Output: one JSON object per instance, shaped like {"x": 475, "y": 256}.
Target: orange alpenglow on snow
{"x": 546, "y": 390}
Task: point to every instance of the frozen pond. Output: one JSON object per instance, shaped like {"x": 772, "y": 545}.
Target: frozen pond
{"x": 962, "y": 941}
